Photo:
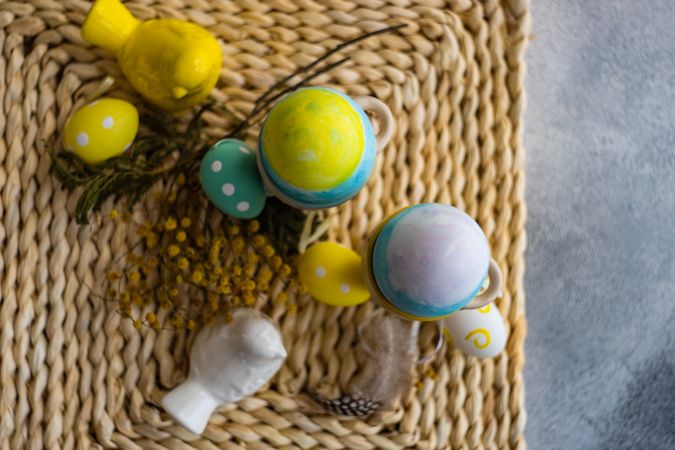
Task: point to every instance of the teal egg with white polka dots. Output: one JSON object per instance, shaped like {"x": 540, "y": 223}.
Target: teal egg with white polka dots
{"x": 230, "y": 178}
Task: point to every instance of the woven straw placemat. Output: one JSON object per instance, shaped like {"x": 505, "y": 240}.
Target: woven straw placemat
{"x": 75, "y": 374}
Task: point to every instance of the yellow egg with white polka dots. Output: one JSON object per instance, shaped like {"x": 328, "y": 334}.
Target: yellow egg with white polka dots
{"x": 332, "y": 274}
{"x": 101, "y": 129}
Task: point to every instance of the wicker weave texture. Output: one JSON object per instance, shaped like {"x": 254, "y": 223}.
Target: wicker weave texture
{"x": 75, "y": 374}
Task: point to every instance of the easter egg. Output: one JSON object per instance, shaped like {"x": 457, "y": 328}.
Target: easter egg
{"x": 317, "y": 148}
{"x": 478, "y": 332}
{"x": 427, "y": 261}
{"x": 230, "y": 179}
{"x": 332, "y": 274}
{"x": 101, "y": 129}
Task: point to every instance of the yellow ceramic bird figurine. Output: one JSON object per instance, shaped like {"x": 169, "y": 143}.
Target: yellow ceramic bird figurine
{"x": 172, "y": 63}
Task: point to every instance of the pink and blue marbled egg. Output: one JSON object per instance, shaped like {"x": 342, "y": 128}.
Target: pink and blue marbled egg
{"x": 427, "y": 261}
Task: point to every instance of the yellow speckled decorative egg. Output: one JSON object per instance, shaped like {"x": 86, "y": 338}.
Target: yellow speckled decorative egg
{"x": 102, "y": 129}
{"x": 332, "y": 274}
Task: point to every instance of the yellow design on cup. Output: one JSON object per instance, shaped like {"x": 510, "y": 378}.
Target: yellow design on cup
{"x": 485, "y": 309}
{"x": 314, "y": 139}
{"x": 476, "y": 342}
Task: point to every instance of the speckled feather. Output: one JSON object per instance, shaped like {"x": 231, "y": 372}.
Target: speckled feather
{"x": 386, "y": 370}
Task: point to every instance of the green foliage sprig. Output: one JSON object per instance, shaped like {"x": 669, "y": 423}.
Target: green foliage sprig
{"x": 168, "y": 150}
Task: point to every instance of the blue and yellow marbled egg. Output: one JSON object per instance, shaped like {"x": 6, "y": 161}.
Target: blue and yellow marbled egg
{"x": 317, "y": 148}
{"x": 427, "y": 261}
{"x": 230, "y": 179}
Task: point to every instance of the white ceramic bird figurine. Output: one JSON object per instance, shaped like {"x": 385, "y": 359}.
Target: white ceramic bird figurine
{"x": 227, "y": 363}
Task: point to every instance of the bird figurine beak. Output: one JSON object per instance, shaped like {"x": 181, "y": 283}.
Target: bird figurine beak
{"x": 179, "y": 92}
{"x": 280, "y": 353}
{"x": 264, "y": 341}
{"x": 191, "y": 70}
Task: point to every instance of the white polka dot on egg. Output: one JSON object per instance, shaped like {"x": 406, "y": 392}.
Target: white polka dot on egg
{"x": 228, "y": 189}
{"x": 243, "y": 206}
{"x": 320, "y": 272}
{"x": 108, "y": 122}
{"x": 345, "y": 288}
{"x": 216, "y": 166}
{"x": 82, "y": 139}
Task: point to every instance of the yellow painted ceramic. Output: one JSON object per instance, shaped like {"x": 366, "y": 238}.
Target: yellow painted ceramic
{"x": 332, "y": 274}
{"x": 172, "y": 63}
{"x": 317, "y": 139}
{"x": 317, "y": 146}
{"x": 101, "y": 130}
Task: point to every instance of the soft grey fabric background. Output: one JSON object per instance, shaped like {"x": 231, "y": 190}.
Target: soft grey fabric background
{"x": 600, "y": 138}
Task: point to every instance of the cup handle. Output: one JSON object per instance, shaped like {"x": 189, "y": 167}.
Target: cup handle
{"x": 493, "y": 291}
{"x": 384, "y": 117}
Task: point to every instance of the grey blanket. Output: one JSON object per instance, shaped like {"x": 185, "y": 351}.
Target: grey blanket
{"x": 600, "y": 138}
